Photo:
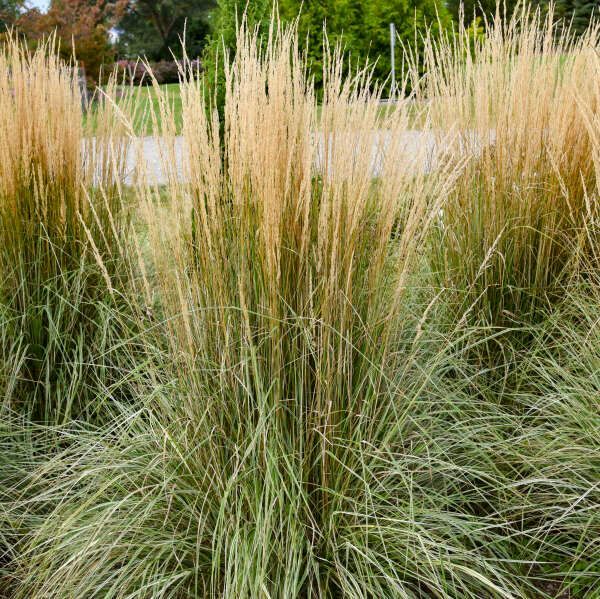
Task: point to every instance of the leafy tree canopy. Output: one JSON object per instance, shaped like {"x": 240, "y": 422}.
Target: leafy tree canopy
{"x": 362, "y": 26}
{"x": 82, "y": 27}
{"x": 154, "y": 28}
{"x": 10, "y": 11}
{"x": 578, "y": 13}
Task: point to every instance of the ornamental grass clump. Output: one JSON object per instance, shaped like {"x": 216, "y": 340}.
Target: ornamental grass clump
{"x": 276, "y": 464}
{"x": 304, "y": 420}
{"x": 283, "y": 257}
{"x": 62, "y": 218}
{"x": 291, "y": 235}
{"x": 514, "y": 227}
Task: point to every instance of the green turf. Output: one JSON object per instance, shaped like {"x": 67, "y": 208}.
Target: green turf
{"x": 148, "y": 103}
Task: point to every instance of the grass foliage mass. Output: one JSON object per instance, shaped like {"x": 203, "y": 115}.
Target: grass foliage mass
{"x": 315, "y": 363}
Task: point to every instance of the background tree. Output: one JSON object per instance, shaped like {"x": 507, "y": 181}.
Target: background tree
{"x": 9, "y": 12}
{"x": 362, "y": 26}
{"x": 579, "y": 13}
{"x": 82, "y": 28}
{"x": 153, "y": 28}
{"x": 484, "y": 9}
{"x": 226, "y": 19}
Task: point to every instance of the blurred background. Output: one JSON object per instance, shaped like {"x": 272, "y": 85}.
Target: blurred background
{"x": 103, "y": 33}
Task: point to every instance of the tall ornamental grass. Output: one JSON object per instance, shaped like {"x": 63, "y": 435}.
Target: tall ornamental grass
{"x": 283, "y": 257}
{"x": 62, "y": 218}
{"x": 515, "y": 226}
{"x": 303, "y": 417}
{"x": 273, "y": 466}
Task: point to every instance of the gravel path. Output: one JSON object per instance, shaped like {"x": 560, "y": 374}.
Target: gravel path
{"x": 150, "y": 153}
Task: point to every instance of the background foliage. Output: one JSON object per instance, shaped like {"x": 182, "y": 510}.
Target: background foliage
{"x": 579, "y": 11}
{"x": 153, "y": 29}
{"x": 78, "y": 24}
{"x": 478, "y": 8}
{"x": 362, "y": 27}
{"x": 9, "y": 11}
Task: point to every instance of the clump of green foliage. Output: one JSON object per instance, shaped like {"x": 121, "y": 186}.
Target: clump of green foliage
{"x": 361, "y": 28}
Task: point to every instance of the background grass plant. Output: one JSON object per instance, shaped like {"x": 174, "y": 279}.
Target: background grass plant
{"x": 514, "y": 227}
{"x": 62, "y": 221}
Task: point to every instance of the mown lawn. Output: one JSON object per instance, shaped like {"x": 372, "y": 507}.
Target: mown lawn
{"x": 147, "y": 103}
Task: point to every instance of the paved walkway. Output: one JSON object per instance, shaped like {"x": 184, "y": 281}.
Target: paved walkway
{"x": 415, "y": 148}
